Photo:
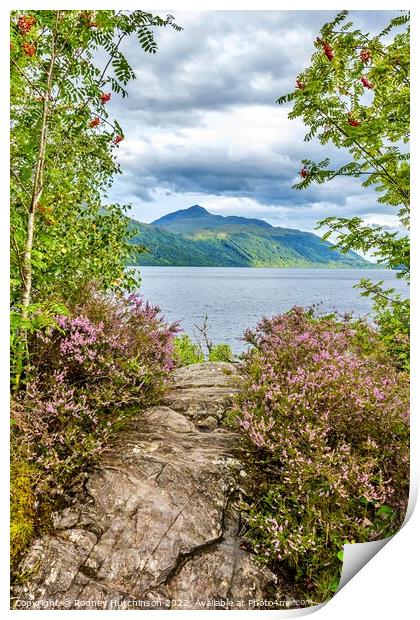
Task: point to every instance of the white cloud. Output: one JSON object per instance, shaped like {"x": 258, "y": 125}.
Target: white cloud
{"x": 387, "y": 220}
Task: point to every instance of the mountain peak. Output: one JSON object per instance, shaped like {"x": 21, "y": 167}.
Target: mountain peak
{"x": 197, "y": 217}
{"x": 194, "y": 210}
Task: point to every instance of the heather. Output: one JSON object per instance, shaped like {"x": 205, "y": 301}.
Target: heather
{"x": 324, "y": 417}
{"x": 89, "y": 370}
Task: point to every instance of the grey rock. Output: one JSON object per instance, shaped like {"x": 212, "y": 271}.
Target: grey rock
{"x": 157, "y": 525}
{"x": 208, "y": 424}
{"x": 221, "y": 576}
{"x": 202, "y": 390}
{"x": 208, "y": 374}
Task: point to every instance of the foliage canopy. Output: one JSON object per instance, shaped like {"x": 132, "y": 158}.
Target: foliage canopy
{"x": 355, "y": 95}
{"x": 65, "y": 67}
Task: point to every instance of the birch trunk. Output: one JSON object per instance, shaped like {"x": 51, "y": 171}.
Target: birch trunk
{"x": 37, "y": 186}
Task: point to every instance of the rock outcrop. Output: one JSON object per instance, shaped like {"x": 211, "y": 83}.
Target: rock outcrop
{"x": 157, "y": 526}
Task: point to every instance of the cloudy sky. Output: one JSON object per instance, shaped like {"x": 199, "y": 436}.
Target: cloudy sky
{"x": 202, "y": 125}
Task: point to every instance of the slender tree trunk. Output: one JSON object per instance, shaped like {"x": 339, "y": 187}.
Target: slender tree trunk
{"x": 37, "y": 185}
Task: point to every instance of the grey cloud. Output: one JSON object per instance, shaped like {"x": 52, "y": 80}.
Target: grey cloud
{"x": 224, "y": 62}
{"x": 222, "y": 57}
{"x": 219, "y": 60}
{"x": 266, "y": 176}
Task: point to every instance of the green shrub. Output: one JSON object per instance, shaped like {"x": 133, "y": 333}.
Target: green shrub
{"x": 324, "y": 415}
{"x": 221, "y": 353}
{"x": 394, "y": 328}
{"x": 391, "y": 313}
{"x": 186, "y": 352}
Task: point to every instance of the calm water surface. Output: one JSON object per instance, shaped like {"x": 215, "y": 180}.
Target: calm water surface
{"x": 236, "y": 298}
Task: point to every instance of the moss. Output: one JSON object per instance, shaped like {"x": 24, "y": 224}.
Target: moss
{"x": 22, "y": 507}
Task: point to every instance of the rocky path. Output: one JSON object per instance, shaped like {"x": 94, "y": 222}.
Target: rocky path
{"x": 158, "y": 526}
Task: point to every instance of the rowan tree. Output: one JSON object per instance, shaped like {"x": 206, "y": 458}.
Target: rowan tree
{"x": 65, "y": 67}
{"x": 356, "y": 95}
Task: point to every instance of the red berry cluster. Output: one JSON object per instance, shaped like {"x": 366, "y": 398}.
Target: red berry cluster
{"x": 304, "y": 172}
{"x": 118, "y": 139}
{"x": 29, "y": 49}
{"x": 365, "y": 55}
{"x": 95, "y": 122}
{"x": 25, "y": 24}
{"x": 41, "y": 98}
{"x": 300, "y": 85}
{"x": 45, "y": 213}
{"x": 353, "y": 121}
{"x": 87, "y": 19}
{"x": 105, "y": 97}
{"x": 366, "y": 82}
{"x": 328, "y": 50}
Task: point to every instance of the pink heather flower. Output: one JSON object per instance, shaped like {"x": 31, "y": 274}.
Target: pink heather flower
{"x": 378, "y": 394}
{"x": 325, "y": 414}
{"x": 303, "y": 337}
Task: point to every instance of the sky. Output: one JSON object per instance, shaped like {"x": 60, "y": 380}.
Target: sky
{"x": 202, "y": 125}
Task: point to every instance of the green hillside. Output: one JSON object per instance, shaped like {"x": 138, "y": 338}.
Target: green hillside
{"x": 195, "y": 237}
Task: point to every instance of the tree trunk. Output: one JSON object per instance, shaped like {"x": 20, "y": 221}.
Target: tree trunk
{"x": 37, "y": 185}
{"x": 36, "y": 193}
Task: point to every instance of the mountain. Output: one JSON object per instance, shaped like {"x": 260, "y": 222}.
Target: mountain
{"x": 197, "y": 218}
{"x": 195, "y": 237}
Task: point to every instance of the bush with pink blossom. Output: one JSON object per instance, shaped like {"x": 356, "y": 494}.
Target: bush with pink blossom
{"x": 324, "y": 414}
{"x": 107, "y": 358}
